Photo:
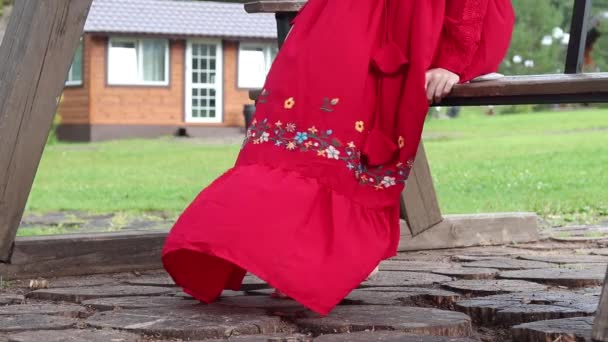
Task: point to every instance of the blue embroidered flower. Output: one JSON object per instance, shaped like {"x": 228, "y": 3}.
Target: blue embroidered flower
{"x": 278, "y": 143}
{"x": 301, "y": 137}
{"x": 350, "y": 166}
{"x": 329, "y": 132}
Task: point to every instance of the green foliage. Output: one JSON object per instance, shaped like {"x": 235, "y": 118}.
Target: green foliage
{"x": 535, "y": 19}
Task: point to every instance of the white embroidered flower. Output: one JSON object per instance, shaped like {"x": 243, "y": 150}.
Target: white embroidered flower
{"x": 388, "y": 181}
{"x": 332, "y": 153}
{"x": 265, "y": 137}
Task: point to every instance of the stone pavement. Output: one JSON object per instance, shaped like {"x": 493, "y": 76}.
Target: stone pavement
{"x": 546, "y": 291}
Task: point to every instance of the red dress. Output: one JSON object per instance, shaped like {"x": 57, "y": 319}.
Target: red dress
{"x": 312, "y": 204}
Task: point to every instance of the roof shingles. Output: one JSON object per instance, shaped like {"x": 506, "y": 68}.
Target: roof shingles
{"x": 178, "y": 17}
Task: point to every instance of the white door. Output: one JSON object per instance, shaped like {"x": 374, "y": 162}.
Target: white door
{"x": 204, "y": 81}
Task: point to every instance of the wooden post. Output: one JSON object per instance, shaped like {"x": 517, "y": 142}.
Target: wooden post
{"x": 600, "y": 326}
{"x": 35, "y": 57}
{"x": 284, "y": 25}
{"x": 578, "y": 36}
{"x": 419, "y": 205}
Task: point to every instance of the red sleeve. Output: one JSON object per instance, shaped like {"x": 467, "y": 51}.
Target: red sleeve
{"x": 461, "y": 34}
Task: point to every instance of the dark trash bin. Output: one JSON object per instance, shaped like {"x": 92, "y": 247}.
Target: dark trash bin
{"x": 248, "y": 112}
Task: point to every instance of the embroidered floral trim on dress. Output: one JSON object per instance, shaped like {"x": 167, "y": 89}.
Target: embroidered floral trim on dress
{"x": 325, "y": 145}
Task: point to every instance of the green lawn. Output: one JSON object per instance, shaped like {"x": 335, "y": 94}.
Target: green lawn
{"x": 553, "y": 163}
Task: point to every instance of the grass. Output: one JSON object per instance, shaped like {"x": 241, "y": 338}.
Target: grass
{"x": 552, "y": 163}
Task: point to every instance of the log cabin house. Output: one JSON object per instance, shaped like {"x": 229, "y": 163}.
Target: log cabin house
{"x": 148, "y": 68}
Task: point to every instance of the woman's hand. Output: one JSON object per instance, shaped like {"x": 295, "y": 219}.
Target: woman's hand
{"x": 439, "y": 83}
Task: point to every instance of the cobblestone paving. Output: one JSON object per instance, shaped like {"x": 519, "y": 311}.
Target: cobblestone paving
{"x": 534, "y": 292}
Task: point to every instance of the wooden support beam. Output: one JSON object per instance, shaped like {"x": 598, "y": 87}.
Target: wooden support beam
{"x": 83, "y": 254}
{"x": 419, "y": 205}
{"x": 274, "y": 6}
{"x": 600, "y": 326}
{"x": 98, "y": 253}
{"x": 459, "y": 231}
{"x": 284, "y": 25}
{"x": 578, "y": 36}
{"x": 35, "y": 57}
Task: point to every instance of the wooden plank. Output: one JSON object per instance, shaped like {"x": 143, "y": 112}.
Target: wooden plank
{"x": 419, "y": 205}
{"x": 35, "y": 57}
{"x": 457, "y": 231}
{"x": 552, "y": 88}
{"x": 274, "y": 6}
{"x": 81, "y": 254}
{"x": 549, "y": 84}
{"x": 600, "y": 326}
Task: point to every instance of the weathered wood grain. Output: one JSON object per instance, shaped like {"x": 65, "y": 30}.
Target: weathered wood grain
{"x": 274, "y": 6}
{"x": 419, "y": 205}
{"x": 600, "y": 326}
{"x": 457, "y": 231}
{"x": 35, "y": 56}
{"x": 80, "y": 254}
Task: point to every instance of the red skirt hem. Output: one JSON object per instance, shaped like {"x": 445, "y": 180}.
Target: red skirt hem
{"x": 302, "y": 238}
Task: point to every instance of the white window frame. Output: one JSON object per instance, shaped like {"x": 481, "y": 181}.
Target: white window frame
{"x": 73, "y": 83}
{"x": 266, "y": 47}
{"x": 218, "y": 86}
{"x": 140, "y": 56}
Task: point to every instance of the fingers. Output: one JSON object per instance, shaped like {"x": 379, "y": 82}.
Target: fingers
{"x": 439, "y": 84}
{"x": 435, "y": 87}
{"x": 431, "y": 85}
{"x": 447, "y": 88}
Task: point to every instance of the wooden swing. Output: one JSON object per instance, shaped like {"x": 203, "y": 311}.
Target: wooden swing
{"x": 35, "y": 56}
{"x": 419, "y": 206}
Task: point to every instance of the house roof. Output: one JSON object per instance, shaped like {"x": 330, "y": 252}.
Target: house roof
{"x": 178, "y": 18}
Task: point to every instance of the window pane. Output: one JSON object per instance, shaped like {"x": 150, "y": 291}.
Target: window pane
{"x": 274, "y": 51}
{"x": 154, "y": 53}
{"x": 252, "y": 67}
{"x": 75, "y": 74}
{"x": 122, "y": 62}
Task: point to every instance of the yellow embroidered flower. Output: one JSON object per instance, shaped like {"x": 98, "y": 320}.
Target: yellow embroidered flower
{"x": 289, "y": 103}
{"x": 378, "y": 187}
{"x": 256, "y": 141}
{"x": 335, "y": 101}
{"x": 291, "y": 127}
{"x": 401, "y": 142}
{"x": 291, "y": 145}
{"x": 351, "y": 144}
{"x": 364, "y": 178}
{"x": 278, "y": 123}
{"x": 308, "y": 144}
{"x": 359, "y": 126}
{"x": 321, "y": 153}
{"x": 313, "y": 130}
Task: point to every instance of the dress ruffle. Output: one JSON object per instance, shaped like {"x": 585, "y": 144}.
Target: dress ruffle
{"x": 311, "y": 243}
